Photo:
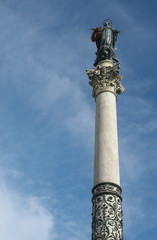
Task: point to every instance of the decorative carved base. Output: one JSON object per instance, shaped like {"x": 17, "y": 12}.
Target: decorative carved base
{"x": 107, "y": 212}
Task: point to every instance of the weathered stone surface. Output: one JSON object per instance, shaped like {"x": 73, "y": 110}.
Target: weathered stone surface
{"x": 106, "y": 158}
{"x": 105, "y": 77}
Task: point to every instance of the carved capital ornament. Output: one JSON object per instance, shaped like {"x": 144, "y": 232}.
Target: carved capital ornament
{"x": 105, "y": 79}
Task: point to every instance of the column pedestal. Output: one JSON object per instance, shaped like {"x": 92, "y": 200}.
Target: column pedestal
{"x": 107, "y": 212}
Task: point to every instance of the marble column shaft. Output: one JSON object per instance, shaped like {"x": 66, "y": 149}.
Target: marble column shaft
{"x": 106, "y": 159}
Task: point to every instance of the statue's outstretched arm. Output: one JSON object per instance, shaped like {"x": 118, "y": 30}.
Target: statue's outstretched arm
{"x": 115, "y": 31}
{"x": 93, "y": 37}
{"x": 96, "y": 34}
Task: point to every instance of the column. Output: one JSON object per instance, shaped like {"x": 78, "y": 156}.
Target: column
{"x": 107, "y": 211}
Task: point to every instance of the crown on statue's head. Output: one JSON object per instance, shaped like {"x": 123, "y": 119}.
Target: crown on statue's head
{"x": 107, "y": 22}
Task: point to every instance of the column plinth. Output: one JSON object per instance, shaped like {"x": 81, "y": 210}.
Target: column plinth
{"x": 107, "y": 213}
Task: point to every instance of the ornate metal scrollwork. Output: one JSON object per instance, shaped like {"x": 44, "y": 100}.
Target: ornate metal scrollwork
{"x": 107, "y": 212}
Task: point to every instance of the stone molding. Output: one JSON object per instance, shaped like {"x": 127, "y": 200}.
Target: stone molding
{"x": 111, "y": 188}
{"x": 107, "y": 212}
{"x": 105, "y": 78}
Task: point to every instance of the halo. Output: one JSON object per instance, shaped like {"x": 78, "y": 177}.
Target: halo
{"x": 107, "y": 19}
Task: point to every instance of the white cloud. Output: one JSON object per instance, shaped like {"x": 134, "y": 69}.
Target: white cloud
{"x": 23, "y": 217}
{"x": 64, "y": 97}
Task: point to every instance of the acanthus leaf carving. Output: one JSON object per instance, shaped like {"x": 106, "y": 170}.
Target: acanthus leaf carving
{"x": 105, "y": 79}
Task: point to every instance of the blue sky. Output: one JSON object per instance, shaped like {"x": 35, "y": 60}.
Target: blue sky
{"x": 47, "y": 117}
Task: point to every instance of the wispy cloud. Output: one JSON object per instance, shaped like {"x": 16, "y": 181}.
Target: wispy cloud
{"x": 40, "y": 85}
{"x": 23, "y": 217}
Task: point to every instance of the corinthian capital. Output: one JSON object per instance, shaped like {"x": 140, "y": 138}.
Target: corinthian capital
{"x": 105, "y": 78}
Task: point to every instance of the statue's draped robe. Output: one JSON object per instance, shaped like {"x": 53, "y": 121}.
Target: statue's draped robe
{"x": 107, "y": 37}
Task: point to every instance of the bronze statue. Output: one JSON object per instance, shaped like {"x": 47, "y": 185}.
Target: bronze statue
{"x": 105, "y": 39}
